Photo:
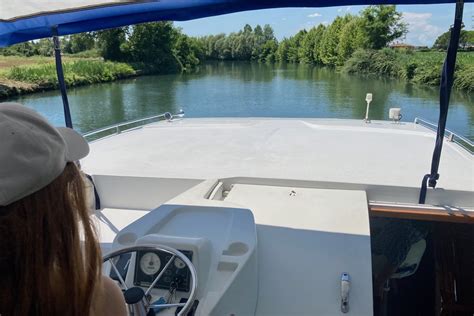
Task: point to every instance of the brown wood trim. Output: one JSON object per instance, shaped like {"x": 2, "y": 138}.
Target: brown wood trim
{"x": 438, "y": 215}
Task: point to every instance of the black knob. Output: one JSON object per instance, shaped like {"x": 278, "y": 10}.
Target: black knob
{"x": 134, "y": 295}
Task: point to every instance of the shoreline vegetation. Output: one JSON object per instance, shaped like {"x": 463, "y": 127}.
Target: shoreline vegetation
{"x": 353, "y": 44}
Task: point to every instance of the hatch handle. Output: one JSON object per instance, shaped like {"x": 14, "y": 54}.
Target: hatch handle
{"x": 345, "y": 289}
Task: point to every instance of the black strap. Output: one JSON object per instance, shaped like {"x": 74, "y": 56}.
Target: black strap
{"x": 60, "y": 73}
{"x": 446, "y": 84}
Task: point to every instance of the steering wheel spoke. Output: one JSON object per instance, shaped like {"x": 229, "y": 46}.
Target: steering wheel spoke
{"x": 158, "y": 277}
{"x": 114, "y": 267}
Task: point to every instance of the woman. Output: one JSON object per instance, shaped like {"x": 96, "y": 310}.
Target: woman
{"x": 50, "y": 260}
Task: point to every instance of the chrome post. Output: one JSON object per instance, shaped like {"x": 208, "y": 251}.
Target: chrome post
{"x": 451, "y": 137}
{"x": 368, "y": 99}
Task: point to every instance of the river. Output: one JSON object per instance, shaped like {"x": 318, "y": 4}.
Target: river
{"x": 251, "y": 89}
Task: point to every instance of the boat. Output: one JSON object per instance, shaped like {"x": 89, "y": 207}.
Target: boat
{"x": 269, "y": 216}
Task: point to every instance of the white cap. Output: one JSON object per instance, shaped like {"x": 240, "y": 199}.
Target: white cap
{"x": 32, "y": 152}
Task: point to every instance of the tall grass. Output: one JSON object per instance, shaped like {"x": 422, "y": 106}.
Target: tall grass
{"x": 418, "y": 67}
{"x": 76, "y": 73}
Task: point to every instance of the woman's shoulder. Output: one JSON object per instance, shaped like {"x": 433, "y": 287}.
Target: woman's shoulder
{"x": 108, "y": 299}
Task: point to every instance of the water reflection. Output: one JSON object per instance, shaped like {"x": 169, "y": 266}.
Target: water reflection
{"x": 242, "y": 89}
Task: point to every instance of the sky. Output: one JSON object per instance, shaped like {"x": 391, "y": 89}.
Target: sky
{"x": 425, "y": 22}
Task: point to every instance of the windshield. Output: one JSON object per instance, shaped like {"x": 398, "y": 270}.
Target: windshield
{"x": 289, "y": 62}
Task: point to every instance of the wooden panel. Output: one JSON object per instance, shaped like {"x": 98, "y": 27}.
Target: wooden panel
{"x": 454, "y": 255}
{"x": 439, "y": 215}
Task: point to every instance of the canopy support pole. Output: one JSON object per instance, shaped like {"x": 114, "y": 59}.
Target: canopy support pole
{"x": 60, "y": 73}
{"x": 445, "y": 86}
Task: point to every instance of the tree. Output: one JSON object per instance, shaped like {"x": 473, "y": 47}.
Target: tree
{"x": 258, "y": 31}
{"x": 257, "y": 40}
{"x": 318, "y": 37}
{"x": 328, "y": 50}
{"x": 466, "y": 39}
{"x": 295, "y": 43}
{"x": 351, "y": 39}
{"x": 81, "y": 42}
{"x": 185, "y": 51}
{"x": 308, "y": 52}
{"x": 268, "y": 33}
{"x": 247, "y": 44}
{"x": 268, "y": 53}
{"x": 111, "y": 44}
{"x": 22, "y": 49}
{"x": 152, "y": 44}
{"x": 282, "y": 51}
{"x": 44, "y": 47}
{"x": 381, "y": 25}
{"x": 247, "y": 29}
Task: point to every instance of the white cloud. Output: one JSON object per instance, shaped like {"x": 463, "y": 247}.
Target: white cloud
{"x": 420, "y": 29}
{"x": 314, "y": 15}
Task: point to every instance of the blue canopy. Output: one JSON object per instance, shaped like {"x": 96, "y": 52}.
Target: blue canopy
{"x": 25, "y": 20}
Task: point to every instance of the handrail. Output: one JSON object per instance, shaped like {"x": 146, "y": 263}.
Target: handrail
{"x": 462, "y": 141}
{"x": 120, "y": 127}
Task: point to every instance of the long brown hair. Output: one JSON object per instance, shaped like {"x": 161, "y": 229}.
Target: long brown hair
{"x": 45, "y": 268}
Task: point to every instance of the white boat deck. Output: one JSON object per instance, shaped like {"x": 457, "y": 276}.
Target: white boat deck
{"x": 165, "y": 183}
{"x": 350, "y": 151}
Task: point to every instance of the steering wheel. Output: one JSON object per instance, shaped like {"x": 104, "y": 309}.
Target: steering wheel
{"x": 136, "y": 298}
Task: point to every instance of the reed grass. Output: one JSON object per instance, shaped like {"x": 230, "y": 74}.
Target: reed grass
{"x": 79, "y": 72}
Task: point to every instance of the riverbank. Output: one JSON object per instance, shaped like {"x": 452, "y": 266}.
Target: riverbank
{"x": 416, "y": 67}
{"x": 23, "y": 75}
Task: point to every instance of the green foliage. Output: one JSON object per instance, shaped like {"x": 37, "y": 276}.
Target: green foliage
{"x": 78, "y": 72}
{"x": 308, "y": 52}
{"x": 282, "y": 51}
{"x": 111, "y": 44}
{"x": 332, "y": 45}
{"x": 247, "y": 44}
{"x": 351, "y": 39}
{"x": 27, "y": 49}
{"x": 156, "y": 47}
{"x": 329, "y": 44}
{"x": 357, "y": 44}
{"x": 374, "y": 62}
{"x": 466, "y": 39}
{"x": 45, "y": 47}
{"x": 381, "y": 25}
{"x": 92, "y": 53}
{"x": 465, "y": 78}
{"x": 187, "y": 51}
{"x": 78, "y": 43}
{"x": 152, "y": 44}
{"x": 294, "y": 47}
{"x": 268, "y": 53}
{"x": 419, "y": 67}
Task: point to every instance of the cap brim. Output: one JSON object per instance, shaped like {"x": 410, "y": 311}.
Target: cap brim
{"x": 77, "y": 146}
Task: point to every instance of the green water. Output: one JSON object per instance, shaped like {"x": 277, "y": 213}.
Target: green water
{"x": 251, "y": 89}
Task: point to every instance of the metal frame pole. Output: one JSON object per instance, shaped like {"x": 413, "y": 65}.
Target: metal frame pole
{"x": 60, "y": 73}
{"x": 447, "y": 77}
